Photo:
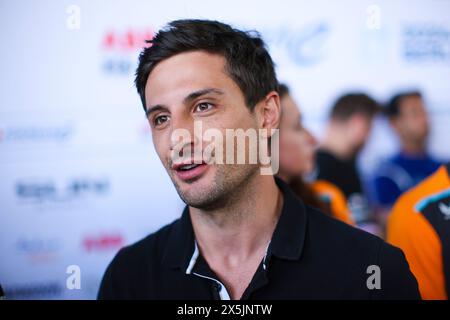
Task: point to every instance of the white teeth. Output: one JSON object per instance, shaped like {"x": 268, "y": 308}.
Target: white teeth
{"x": 188, "y": 167}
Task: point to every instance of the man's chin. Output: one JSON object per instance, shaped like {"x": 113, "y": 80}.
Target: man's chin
{"x": 198, "y": 197}
{"x": 194, "y": 191}
{"x": 192, "y": 186}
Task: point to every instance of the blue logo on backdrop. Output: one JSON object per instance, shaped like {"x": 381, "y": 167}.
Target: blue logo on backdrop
{"x": 37, "y": 245}
{"x": 36, "y": 133}
{"x": 50, "y": 191}
{"x": 425, "y": 42}
{"x": 32, "y": 290}
{"x": 304, "y": 46}
{"x": 38, "y": 250}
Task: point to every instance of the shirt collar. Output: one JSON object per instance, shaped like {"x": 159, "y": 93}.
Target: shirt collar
{"x": 287, "y": 240}
{"x": 289, "y": 235}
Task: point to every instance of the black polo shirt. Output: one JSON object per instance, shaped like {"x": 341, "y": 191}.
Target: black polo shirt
{"x": 310, "y": 256}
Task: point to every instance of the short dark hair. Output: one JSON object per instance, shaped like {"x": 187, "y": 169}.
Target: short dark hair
{"x": 247, "y": 61}
{"x": 354, "y": 103}
{"x": 392, "y": 108}
{"x": 283, "y": 90}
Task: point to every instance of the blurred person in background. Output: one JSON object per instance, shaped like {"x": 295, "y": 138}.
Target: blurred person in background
{"x": 349, "y": 127}
{"x": 412, "y": 163}
{"x": 297, "y": 159}
{"x": 420, "y": 225}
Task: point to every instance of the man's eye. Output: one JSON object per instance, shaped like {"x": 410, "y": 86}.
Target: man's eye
{"x": 202, "y": 107}
{"x": 160, "y": 120}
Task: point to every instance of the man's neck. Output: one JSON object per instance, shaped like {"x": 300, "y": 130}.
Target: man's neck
{"x": 234, "y": 232}
{"x": 413, "y": 148}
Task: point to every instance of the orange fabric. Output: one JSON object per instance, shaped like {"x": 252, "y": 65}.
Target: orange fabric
{"x": 337, "y": 200}
{"x": 410, "y": 231}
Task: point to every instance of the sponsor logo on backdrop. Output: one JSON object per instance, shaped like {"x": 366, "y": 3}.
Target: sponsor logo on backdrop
{"x": 41, "y": 191}
{"x": 305, "y": 46}
{"x": 38, "y": 250}
{"x": 103, "y": 242}
{"x": 120, "y": 50}
{"x": 35, "y": 133}
{"x": 426, "y": 42}
{"x": 34, "y": 290}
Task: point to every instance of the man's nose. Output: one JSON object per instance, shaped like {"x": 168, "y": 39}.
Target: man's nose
{"x": 182, "y": 131}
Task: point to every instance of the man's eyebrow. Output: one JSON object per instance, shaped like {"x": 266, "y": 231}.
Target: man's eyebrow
{"x": 190, "y": 97}
{"x": 154, "y": 108}
{"x": 196, "y": 94}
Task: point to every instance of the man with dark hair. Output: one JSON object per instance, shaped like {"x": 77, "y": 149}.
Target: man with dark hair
{"x": 242, "y": 235}
{"x": 243, "y": 60}
{"x": 353, "y": 104}
{"x": 395, "y": 175}
{"x": 348, "y": 130}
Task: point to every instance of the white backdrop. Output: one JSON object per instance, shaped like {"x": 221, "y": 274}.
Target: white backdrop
{"x": 78, "y": 174}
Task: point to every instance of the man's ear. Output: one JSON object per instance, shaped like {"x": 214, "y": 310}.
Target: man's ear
{"x": 269, "y": 112}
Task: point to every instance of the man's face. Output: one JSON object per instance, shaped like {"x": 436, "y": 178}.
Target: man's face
{"x": 412, "y": 122}
{"x": 359, "y": 127}
{"x": 194, "y": 86}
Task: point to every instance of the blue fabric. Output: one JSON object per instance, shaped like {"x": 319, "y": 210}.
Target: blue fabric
{"x": 400, "y": 173}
